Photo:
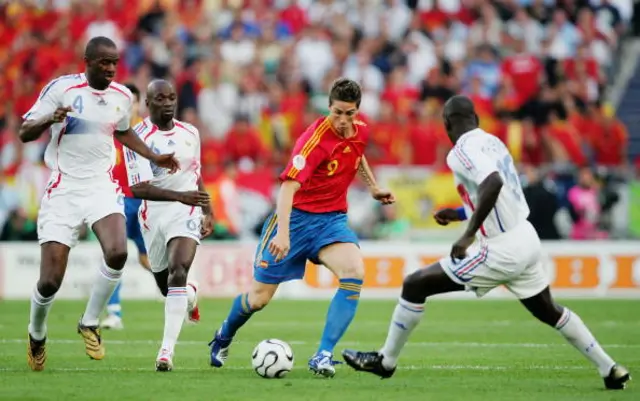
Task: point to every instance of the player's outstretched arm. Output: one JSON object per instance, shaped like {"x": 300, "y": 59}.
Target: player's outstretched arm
{"x": 146, "y": 191}
{"x": 31, "y": 130}
{"x": 132, "y": 141}
{"x": 384, "y": 196}
{"x": 279, "y": 246}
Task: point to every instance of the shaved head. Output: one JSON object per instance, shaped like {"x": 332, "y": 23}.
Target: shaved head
{"x": 161, "y": 101}
{"x": 459, "y": 106}
{"x": 459, "y": 116}
{"x": 159, "y": 85}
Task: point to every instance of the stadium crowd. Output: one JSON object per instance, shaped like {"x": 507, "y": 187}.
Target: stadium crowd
{"x": 251, "y": 74}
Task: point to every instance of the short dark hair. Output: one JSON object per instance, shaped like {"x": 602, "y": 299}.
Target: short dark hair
{"x": 345, "y": 90}
{"x": 134, "y": 89}
{"x": 91, "y": 50}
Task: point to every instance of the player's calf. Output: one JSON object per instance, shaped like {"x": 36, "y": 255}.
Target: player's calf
{"x": 53, "y": 263}
{"x": 573, "y": 329}
{"x": 243, "y": 307}
{"x": 345, "y": 261}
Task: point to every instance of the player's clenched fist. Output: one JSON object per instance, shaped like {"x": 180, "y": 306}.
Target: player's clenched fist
{"x": 167, "y": 161}
{"x": 194, "y": 198}
{"x": 383, "y": 196}
{"x": 279, "y": 246}
{"x": 60, "y": 114}
{"x": 446, "y": 216}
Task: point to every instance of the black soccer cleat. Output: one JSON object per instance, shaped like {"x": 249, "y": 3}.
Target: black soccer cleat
{"x": 370, "y": 362}
{"x": 618, "y": 378}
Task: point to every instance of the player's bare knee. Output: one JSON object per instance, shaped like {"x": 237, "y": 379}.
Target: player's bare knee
{"x": 413, "y": 287}
{"x": 259, "y": 298}
{"x": 49, "y": 286}
{"x": 52, "y": 268}
{"x": 115, "y": 258}
{"x": 354, "y": 270}
{"x": 178, "y": 275}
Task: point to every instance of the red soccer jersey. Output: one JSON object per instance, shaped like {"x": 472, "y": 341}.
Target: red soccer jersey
{"x": 325, "y": 163}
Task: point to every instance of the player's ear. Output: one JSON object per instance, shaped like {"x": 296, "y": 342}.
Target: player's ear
{"x": 475, "y": 116}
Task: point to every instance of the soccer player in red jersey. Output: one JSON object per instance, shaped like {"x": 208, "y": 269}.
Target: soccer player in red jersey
{"x": 310, "y": 222}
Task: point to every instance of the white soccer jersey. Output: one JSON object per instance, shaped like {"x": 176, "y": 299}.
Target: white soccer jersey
{"x": 81, "y": 147}
{"x": 183, "y": 140}
{"x": 474, "y": 157}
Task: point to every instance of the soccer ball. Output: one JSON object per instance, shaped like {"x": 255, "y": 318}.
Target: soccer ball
{"x": 272, "y": 359}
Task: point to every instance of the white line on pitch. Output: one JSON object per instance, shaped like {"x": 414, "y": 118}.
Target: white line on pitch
{"x": 344, "y": 343}
{"x": 410, "y": 367}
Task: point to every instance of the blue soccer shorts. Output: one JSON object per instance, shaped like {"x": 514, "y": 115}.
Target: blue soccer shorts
{"x": 309, "y": 233}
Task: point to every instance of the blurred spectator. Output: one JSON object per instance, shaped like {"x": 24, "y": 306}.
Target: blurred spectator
{"x": 225, "y": 199}
{"x": 585, "y": 203}
{"x": 19, "y": 228}
{"x": 609, "y": 139}
{"x": 540, "y": 193}
{"x": 243, "y": 142}
{"x": 390, "y": 226}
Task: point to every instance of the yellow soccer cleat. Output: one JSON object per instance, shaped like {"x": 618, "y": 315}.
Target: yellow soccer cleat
{"x": 92, "y": 341}
{"x": 36, "y": 354}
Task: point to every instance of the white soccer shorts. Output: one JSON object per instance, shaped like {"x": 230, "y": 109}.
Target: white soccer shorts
{"x": 512, "y": 259}
{"x": 161, "y": 222}
{"x": 66, "y": 205}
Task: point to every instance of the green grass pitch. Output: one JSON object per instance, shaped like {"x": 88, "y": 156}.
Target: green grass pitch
{"x": 462, "y": 350}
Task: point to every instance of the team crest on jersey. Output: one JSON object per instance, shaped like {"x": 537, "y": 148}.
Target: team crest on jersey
{"x": 171, "y": 143}
{"x": 192, "y": 225}
{"x": 299, "y": 162}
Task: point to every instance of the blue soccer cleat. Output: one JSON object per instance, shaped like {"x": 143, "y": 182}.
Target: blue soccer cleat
{"x": 219, "y": 350}
{"x": 322, "y": 363}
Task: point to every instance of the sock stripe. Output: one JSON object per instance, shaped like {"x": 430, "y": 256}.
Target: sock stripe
{"x": 564, "y": 319}
{"x": 110, "y": 273}
{"x": 177, "y": 292}
{"x": 351, "y": 287}
{"x": 411, "y": 307}
{"x": 351, "y": 280}
{"x": 414, "y": 310}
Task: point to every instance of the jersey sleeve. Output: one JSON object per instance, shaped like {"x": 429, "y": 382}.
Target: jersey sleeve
{"x": 49, "y": 100}
{"x": 471, "y": 162}
{"x": 306, "y": 157}
{"x": 138, "y": 168}
{"x": 125, "y": 122}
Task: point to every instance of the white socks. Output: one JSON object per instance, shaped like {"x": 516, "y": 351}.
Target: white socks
{"x": 38, "y": 317}
{"x": 175, "y": 308}
{"x": 405, "y": 318}
{"x": 574, "y": 330}
{"x": 103, "y": 287}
